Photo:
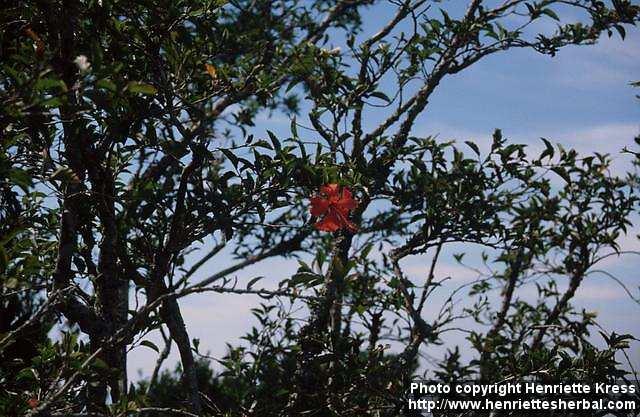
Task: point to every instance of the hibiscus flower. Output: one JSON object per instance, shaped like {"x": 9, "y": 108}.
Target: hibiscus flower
{"x": 33, "y": 402}
{"x": 333, "y": 205}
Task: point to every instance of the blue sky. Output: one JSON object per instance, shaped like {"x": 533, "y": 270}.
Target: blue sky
{"x": 580, "y": 98}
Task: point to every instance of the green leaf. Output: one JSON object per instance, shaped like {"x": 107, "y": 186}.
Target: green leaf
{"x": 20, "y": 178}
{"x": 46, "y": 84}
{"x": 291, "y": 85}
{"x": 27, "y": 374}
{"x": 253, "y": 281}
{"x": 274, "y": 140}
{"x": 473, "y": 146}
{"x": 4, "y": 260}
{"x": 100, "y": 364}
{"x": 106, "y": 84}
{"x": 549, "y": 151}
{"x": 366, "y": 250}
{"x": 263, "y": 144}
{"x": 381, "y": 95}
{"x": 230, "y": 156}
{"x": 551, "y": 14}
{"x": 308, "y": 278}
{"x": 140, "y": 87}
{"x": 52, "y": 102}
{"x": 150, "y": 345}
{"x": 562, "y": 172}
{"x": 294, "y": 127}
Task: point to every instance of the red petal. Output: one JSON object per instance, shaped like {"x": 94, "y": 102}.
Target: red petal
{"x": 345, "y": 222}
{"x": 319, "y": 206}
{"x": 330, "y": 223}
{"x": 346, "y": 202}
{"x": 331, "y": 190}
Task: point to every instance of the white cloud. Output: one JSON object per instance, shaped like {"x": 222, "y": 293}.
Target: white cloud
{"x": 608, "y": 138}
{"x": 214, "y": 319}
{"x": 600, "y": 292}
{"x": 418, "y": 270}
{"x": 610, "y": 61}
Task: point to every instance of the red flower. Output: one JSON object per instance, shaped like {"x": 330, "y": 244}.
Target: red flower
{"x": 33, "y": 402}
{"x": 334, "y": 203}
